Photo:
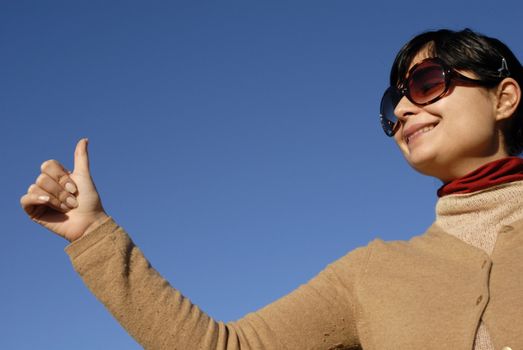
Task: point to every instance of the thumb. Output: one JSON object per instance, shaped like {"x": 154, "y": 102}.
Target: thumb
{"x": 81, "y": 158}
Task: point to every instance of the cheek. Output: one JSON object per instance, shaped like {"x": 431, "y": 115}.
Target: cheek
{"x": 468, "y": 130}
{"x": 473, "y": 122}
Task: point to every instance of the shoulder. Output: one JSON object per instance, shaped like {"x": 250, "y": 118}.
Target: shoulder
{"x": 378, "y": 251}
{"x": 421, "y": 251}
{"x": 433, "y": 241}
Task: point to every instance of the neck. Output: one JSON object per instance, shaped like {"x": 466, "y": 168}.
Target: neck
{"x": 449, "y": 171}
{"x": 494, "y": 173}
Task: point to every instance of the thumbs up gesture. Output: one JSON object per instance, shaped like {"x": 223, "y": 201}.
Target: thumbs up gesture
{"x": 64, "y": 202}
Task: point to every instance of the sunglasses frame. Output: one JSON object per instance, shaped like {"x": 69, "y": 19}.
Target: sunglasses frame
{"x": 450, "y": 76}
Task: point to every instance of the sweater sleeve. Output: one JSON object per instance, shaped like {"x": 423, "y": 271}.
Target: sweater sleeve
{"x": 318, "y": 315}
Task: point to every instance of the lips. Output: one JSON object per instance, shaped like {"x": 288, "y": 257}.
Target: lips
{"x": 416, "y": 130}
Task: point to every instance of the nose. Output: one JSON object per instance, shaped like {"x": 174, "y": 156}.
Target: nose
{"x": 405, "y": 108}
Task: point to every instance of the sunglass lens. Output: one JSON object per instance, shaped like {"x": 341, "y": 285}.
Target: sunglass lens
{"x": 388, "y": 119}
{"x": 427, "y": 83}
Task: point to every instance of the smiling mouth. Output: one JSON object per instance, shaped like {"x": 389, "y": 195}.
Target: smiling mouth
{"x": 419, "y": 132}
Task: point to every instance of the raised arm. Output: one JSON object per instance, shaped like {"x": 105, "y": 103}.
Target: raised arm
{"x": 319, "y": 315}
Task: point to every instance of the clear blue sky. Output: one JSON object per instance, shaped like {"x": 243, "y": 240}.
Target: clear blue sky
{"x": 236, "y": 141}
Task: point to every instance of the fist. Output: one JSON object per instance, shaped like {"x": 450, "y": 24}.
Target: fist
{"x": 67, "y": 203}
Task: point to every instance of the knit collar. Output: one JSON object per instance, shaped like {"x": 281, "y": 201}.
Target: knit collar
{"x": 491, "y": 174}
{"x": 476, "y": 217}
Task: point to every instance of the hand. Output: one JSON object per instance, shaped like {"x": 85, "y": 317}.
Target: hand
{"x": 66, "y": 203}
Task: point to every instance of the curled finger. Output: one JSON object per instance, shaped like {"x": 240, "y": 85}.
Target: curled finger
{"x": 49, "y": 185}
{"x": 37, "y": 196}
{"x": 58, "y": 173}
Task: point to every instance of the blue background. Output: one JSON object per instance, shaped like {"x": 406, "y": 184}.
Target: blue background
{"x": 236, "y": 141}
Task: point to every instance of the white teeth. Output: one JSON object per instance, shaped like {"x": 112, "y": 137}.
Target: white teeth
{"x": 420, "y": 131}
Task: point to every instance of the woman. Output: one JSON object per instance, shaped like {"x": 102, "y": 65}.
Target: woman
{"x": 454, "y": 110}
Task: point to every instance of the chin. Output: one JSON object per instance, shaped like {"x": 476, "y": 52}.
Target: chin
{"x": 443, "y": 169}
{"x": 431, "y": 158}
{"x": 425, "y": 163}
{"x": 425, "y": 168}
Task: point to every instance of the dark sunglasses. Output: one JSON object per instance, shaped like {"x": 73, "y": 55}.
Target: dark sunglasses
{"x": 427, "y": 82}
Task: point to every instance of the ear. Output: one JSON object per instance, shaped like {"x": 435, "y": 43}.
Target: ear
{"x": 508, "y": 96}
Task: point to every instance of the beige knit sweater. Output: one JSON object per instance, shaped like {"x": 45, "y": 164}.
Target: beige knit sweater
{"x": 476, "y": 219}
{"x": 427, "y": 293}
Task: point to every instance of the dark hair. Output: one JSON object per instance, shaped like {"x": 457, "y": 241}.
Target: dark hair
{"x": 469, "y": 51}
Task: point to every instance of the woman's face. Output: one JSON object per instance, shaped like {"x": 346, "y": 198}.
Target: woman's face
{"x": 452, "y": 136}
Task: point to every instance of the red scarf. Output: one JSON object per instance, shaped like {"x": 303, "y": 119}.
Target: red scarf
{"x": 494, "y": 173}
